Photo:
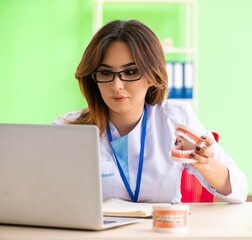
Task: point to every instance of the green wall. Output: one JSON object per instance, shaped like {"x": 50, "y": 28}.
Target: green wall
{"x": 166, "y": 20}
{"x": 41, "y": 43}
{"x": 225, "y": 82}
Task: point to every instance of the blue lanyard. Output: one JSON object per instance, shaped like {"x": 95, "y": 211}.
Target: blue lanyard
{"x": 141, "y": 160}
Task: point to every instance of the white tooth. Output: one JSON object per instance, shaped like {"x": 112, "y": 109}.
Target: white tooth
{"x": 191, "y": 140}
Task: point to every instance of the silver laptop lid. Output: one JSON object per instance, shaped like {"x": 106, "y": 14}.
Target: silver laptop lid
{"x": 37, "y": 165}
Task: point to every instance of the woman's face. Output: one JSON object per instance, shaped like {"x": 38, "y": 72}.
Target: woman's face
{"x": 120, "y": 96}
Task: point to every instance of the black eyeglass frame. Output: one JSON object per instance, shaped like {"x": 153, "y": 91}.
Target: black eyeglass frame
{"x": 114, "y": 73}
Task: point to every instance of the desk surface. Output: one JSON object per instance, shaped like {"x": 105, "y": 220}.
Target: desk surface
{"x": 207, "y": 221}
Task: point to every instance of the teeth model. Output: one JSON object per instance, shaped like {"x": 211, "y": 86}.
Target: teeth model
{"x": 185, "y": 144}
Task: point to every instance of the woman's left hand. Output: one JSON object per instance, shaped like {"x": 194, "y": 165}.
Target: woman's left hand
{"x": 214, "y": 171}
{"x": 203, "y": 154}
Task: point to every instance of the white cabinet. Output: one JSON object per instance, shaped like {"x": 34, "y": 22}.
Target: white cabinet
{"x": 184, "y": 89}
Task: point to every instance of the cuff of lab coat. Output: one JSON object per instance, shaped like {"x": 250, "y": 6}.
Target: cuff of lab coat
{"x": 239, "y": 186}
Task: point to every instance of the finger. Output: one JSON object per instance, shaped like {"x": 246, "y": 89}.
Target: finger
{"x": 208, "y": 140}
{"x": 177, "y": 141}
{"x": 200, "y": 144}
{"x": 200, "y": 159}
{"x": 204, "y": 151}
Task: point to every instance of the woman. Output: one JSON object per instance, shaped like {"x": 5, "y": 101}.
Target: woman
{"x": 123, "y": 78}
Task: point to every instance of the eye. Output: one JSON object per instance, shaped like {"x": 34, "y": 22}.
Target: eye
{"x": 130, "y": 72}
{"x": 105, "y": 72}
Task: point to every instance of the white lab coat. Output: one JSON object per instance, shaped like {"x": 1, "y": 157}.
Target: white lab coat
{"x": 160, "y": 176}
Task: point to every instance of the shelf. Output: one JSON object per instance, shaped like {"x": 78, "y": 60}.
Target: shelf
{"x": 181, "y": 54}
{"x": 181, "y": 51}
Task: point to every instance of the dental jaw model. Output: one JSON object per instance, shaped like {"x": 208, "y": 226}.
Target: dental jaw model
{"x": 186, "y": 139}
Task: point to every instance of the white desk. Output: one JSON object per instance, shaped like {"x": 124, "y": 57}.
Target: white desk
{"x": 207, "y": 221}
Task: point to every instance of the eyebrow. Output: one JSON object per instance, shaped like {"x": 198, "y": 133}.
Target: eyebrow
{"x": 125, "y": 65}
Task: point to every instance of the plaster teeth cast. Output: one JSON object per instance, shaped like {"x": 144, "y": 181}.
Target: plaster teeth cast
{"x": 186, "y": 138}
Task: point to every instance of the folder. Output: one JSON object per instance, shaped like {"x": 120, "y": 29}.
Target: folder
{"x": 178, "y": 80}
{"x": 188, "y": 80}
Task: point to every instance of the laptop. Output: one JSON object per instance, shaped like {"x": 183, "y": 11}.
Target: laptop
{"x": 50, "y": 177}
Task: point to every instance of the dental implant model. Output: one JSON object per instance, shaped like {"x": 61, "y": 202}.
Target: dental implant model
{"x": 186, "y": 139}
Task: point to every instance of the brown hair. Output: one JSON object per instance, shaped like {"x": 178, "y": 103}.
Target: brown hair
{"x": 148, "y": 56}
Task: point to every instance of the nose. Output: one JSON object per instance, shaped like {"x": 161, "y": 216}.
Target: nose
{"x": 117, "y": 84}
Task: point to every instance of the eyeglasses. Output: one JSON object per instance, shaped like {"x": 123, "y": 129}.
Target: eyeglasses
{"x": 105, "y": 76}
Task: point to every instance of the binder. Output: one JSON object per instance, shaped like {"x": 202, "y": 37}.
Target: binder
{"x": 188, "y": 80}
{"x": 178, "y": 80}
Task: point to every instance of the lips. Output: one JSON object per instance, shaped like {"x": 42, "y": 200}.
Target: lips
{"x": 119, "y": 98}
